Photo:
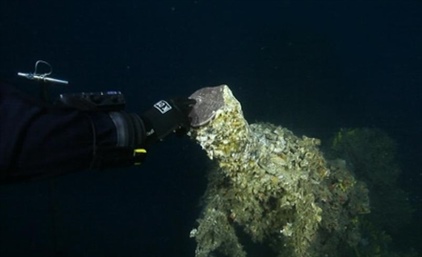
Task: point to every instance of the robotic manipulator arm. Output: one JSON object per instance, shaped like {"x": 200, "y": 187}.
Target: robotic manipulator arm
{"x": 135, "y": 132}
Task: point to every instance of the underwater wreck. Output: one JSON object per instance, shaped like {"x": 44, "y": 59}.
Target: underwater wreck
{"x": 271, "y": 187}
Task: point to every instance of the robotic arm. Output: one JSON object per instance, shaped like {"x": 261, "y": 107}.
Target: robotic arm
{"x": 134, "y": 132}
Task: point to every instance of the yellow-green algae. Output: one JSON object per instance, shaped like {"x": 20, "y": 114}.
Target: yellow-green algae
{"x": 276, "y": 187}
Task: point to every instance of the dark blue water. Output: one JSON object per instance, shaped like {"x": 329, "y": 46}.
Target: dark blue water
{"x": 313, "y": 67}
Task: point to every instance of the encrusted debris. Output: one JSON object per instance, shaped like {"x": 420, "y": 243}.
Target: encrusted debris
{"x": 273, "y": 185}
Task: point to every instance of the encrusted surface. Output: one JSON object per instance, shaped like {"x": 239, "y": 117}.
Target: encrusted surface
{"x": 275, "y": 186}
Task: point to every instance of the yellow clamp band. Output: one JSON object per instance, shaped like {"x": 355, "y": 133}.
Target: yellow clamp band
{"x": 138, "y": 151}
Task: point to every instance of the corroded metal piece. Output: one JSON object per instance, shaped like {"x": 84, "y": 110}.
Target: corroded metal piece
{"x": 208, "y": 101}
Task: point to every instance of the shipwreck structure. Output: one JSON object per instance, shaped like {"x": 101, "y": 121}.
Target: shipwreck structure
{"x": 270, "y": 186}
